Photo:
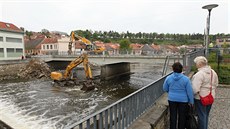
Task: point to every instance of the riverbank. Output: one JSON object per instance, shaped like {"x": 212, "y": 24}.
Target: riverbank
{"x": 33, "y": 69}
{"x": 10, "y": 71}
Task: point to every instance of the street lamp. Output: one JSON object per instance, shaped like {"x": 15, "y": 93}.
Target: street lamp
{"x": 209, "y": 8}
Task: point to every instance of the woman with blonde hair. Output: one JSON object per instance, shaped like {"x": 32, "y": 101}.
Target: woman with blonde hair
{"x": 204, "y": 82}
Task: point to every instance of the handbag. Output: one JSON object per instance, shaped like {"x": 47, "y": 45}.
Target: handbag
{"x": 191, "y": 122}
{"x": 208, "y": 100}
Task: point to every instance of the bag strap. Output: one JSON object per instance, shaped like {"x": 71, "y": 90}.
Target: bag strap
{"x": 211, "y": 82}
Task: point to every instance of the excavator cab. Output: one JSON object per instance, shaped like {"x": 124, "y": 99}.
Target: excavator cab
{"x": 56, "y": 75}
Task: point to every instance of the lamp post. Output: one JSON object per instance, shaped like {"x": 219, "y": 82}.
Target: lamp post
{"x": 209, "y": 8}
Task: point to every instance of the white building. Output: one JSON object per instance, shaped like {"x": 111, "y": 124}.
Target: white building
{"x": 11, "y": 42}
{"x": 55, "y": 46}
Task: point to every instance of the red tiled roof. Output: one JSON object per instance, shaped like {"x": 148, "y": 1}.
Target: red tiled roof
{"x": 113, "y": 45}
{"x": 155, "y": 47}
{"x": 49, "y": 41}
{"x": 9, "y": 27}
{"x": 136, "y": 46}
{"x": 79, "y": 45}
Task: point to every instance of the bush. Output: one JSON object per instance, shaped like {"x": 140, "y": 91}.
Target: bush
{"x": 223, "y": 72}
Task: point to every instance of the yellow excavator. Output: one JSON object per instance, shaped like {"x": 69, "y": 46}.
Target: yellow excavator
{"x": 89, "y": 47}
{"x": 83, "y": 58}
{"x": 66, "y": 80}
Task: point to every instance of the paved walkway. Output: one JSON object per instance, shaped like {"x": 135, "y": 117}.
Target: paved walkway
{"x": 220, "y": 113}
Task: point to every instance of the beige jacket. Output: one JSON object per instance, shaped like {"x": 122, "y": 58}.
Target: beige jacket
{"x": 201, "y": 82}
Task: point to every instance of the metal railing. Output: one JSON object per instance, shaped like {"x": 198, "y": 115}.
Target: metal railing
{"x": 122, "y": 113}
{"x": 188, "y": 59}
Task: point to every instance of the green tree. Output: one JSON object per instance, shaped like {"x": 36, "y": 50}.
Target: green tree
{"x": 124, "y": 44}
{"x": 29, "y": 34}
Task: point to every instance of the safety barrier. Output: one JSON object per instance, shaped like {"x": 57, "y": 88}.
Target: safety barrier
{"x": 122, "y": 113}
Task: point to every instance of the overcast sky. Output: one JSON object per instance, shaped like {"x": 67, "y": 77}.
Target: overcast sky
{"x": 161, "y": 16}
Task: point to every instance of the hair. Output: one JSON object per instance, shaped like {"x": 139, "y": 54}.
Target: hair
{"x": 201, "y": 60}
{"x": 177, "y": 67}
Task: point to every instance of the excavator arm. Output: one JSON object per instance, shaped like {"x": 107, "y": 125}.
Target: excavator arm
{"x": 72, "y": 39}
{"x": 90, "y": 47}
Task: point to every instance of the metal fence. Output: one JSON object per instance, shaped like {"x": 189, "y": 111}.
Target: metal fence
{"x": 122, "y": 113}
{"x": 188, "y": 59}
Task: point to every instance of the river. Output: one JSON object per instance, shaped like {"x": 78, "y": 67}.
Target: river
{"x": 38, "y": 104}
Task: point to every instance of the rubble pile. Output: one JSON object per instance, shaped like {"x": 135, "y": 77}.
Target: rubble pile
{"x": 9, "y": 72}
{"x": 35, "y": 69}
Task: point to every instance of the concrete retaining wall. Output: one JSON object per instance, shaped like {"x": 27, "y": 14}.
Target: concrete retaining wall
{"x": 115, "y": 70}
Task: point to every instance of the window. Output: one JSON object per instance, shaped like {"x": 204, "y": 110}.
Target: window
{"x": 55, "y": 46}
{"x": 51, "y": 46}
{"x": 44, "y": 47}
{"x": 10, "y": 49}
{"x": 1, "y": 38}
{"x": 8, "y": 25}
{"x": 19, "y": 50}
{"x": 15, "y": 40}
{"x": 1, "y": 50}
{"x": 47, "y": 46}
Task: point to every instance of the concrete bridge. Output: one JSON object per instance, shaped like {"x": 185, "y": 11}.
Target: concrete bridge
{"x": 101, "y": 60}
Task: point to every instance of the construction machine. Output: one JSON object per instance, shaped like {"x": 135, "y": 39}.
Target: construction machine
{"x": 89, "y": 46}
{"x": 65, "y": 79}
{"x": 83, "y": 58}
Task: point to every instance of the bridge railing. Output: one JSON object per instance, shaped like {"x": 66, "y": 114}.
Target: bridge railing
{"x": 122, "y": 113}
{"x": 188, "y": 59}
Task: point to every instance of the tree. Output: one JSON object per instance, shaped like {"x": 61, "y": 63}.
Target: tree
{"x": 46, "y": 32}
{"x": 124, "y": 46}
{"x": 29, "y": 34}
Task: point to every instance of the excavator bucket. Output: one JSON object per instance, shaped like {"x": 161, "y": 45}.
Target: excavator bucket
{"x": 56, "y": 75}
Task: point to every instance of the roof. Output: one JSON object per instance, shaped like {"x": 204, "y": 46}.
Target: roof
{"x": 171, "y": 47}
{"x": 9, "y": 27}
{"x": 112, "y": 45}
{"x": 147, "y": 47}
{"x": 79, "y": 45}
{"x": 155, "y": 47}
{"x": 33, "y": 43}
{"x": 50, "y": 41}
{"x": 136, "y": 46}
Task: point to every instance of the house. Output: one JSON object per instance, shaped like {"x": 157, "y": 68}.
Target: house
{"x": 156, "y": 48}
{"x": 49, "y": 46}
{"x": 170, "y": 49}
{"x": 33, "y": 46}
{"x": 79, "y": 47}
{"x": 11, "y": 41}
{"x": 147, "y": 50}
{"x": 223, "y": 41}
{"x": 136, "y": 48}
{"x": 112, "y": 48}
